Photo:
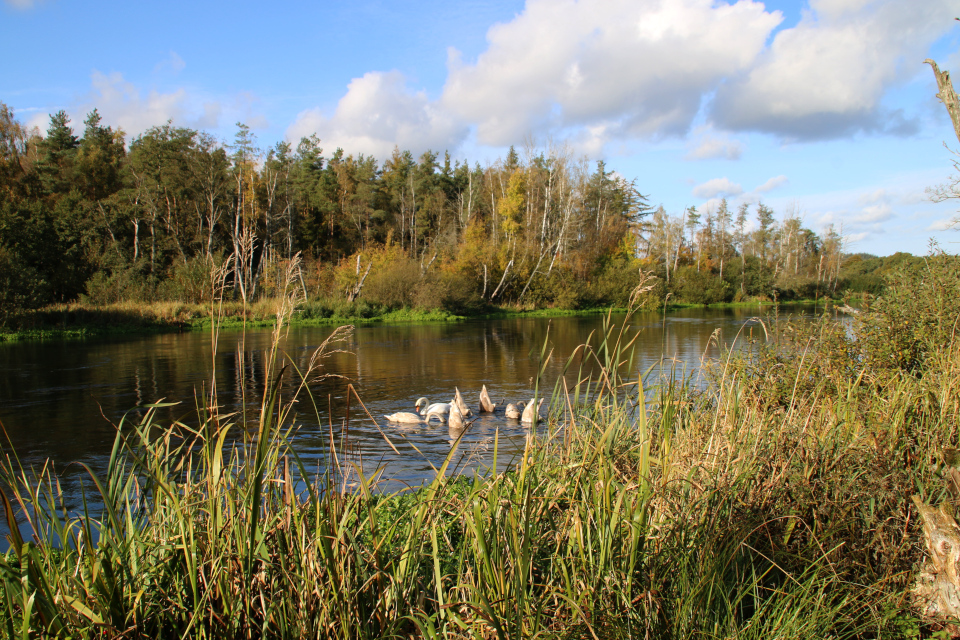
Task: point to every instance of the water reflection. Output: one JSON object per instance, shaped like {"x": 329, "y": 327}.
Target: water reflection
{"x": 62, "y": 401}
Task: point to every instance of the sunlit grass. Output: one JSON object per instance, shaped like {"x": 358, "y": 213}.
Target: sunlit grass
{"x": 772, "y": 503}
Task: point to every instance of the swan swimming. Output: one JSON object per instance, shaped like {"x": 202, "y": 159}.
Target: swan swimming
{"x": 531, "y": 413}
{"x": 513, "y": 410}
{"x": 403, "y": 416}
{"x": 460, "y": 404}
{"x": 486, "y": 405}
{"x": 438, "y": 409}
{"x": 455, "y": 421}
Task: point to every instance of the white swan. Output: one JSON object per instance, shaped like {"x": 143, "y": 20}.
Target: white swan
{"x": 438, "y": 409}
{"x": 455, "y": 421}
{"x": 403, "y": 416}
{"x": 513, "y": 410}
{"x": 531, "y": 413}
{"x": 458, "y": 401}
{"x": 486, "y": 405}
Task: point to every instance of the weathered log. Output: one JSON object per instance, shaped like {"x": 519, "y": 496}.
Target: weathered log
{"x": 938, "y": 585}
{"x": 937, "y": 589}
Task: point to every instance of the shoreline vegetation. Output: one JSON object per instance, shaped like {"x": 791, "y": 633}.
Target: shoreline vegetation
{"x": 80, "y": 320}
{"x": 776, "y": 501}
{"x": 91, "y": 220}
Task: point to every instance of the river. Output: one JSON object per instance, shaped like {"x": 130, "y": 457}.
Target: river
{"x": 61, "y": 401}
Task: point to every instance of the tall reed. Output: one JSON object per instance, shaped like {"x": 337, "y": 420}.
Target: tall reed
{"x": 774, "y": 502}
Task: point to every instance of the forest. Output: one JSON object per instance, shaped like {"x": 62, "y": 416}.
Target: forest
{"x": 91, "y": 216}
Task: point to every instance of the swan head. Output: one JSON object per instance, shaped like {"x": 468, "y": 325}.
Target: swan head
{"x": 420, "y": 401}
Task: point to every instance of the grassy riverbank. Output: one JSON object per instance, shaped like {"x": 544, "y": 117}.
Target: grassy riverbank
{"x": 80, "y": 320}
{"x": 77, "y": 320}
{"x": 773, "y": 503}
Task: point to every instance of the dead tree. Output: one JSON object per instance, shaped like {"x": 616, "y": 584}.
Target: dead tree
{"x": 354, "y": 293}
{"x": 937, "y": 589}
{"x": 947, "y": 95}
{"x": 502, "y": 280}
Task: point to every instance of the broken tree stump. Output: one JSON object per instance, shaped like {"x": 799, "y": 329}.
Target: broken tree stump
{"x": 937, "y": 588}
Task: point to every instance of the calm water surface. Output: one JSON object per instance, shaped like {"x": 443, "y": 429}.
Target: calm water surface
{"x": 61, "y": 400}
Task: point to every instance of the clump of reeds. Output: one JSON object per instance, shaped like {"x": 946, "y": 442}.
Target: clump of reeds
{"x": 773, "y": 503}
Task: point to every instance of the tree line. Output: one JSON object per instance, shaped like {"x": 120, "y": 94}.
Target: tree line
{"x": 103, "y": 219}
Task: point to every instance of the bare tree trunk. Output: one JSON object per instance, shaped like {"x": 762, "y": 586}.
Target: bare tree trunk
{"x": 469, "y": 193}
{"x": 153, "y": 243}
{"x": 423, "y": 269}
{"x": 947, "y": 95}
{"x": 136, "y": 239}
{"x": 505, "y": 272}
{"x": 532, "y": 274}
{"x": 413, "y": 218}
{"x": 354, "y": 293}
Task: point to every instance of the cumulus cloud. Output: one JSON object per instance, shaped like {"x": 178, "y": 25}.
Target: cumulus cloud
{"x": 595, "y": 72}
{"x": 875, "y": 213}
{"x": 123, "y": 104}
{"x": 717, "y": 187}
{"x": 38, "y": 121}
{"x": 378, "y": 113}
{"x": 944, "y": 224}
{"x": 709, "y": 146}
{"x": 771, "y": 184}
{"x": 633, "y": 68}
{"x": 826, "y": 76}
{"x": 854, "y": 238}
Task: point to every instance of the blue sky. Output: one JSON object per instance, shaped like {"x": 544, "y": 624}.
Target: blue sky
{"x": 823, "y": 107}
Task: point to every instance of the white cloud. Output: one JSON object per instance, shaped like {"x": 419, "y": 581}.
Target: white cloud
{"x": 875, "y": 213}
{"x": 378, "y": 113}
{"x": 717, "y": 187}
{"x": 710, "y": 145}
{"x": 634, "y": 68}
{"x": 124, "y": 105}
{"x": 944, "y": 224}
{"x": 39, "y": 121}
{"x": 21, "y": 4}
{"x": 172, "y": 63}
{"x": 595, "y": 72}
{"x": 912, "y": 197}
{"x": 853, "y": 238}
{"x": 825, "y": 77}
{"x": 871, "y": 197}
{"x": 771, "y": 184}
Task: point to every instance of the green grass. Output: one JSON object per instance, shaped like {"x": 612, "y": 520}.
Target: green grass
{"x": 775, "y": 503}
{"x": 78, "y": 320}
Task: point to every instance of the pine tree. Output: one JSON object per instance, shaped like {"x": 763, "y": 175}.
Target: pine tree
{"x": 57, "y": 153}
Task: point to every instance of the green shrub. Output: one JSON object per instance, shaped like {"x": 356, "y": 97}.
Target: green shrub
{"x": 791, "y": 287}
{"x": 917, "y": 316}
{"x": 120, "y": 282}
{"x": 615, "y": 281}
{"x": 394, "y": 285}
{"x": 458, "y": 294}
{"x": 568, "y": 293}
{"x": 700, "y": 287}
{"x": 21, "y": 287}
{"x": 190, "y": 280}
